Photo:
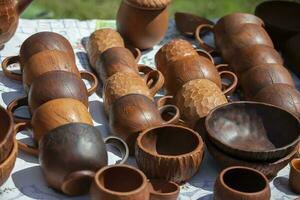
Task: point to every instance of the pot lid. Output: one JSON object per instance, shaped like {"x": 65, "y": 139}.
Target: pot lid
{"x": 149, "y": 4}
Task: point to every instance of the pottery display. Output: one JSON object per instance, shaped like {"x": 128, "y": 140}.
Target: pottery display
{"x": 290, "y": 52}
{"x": 10, "y": 11}
{"x": 294, "y": 176}
{"x": 259, "y": 77}
{"x": 6, "y": 134}
{"x": 197, "y": 98}
{"x": 253, "y": 131}
{"x": 101, "y": 40}
{"x": 143, "y": 23}
{"x": 71, "y": 153}
{"x": 281, "y": 95}
{"x": 7, "y": 165}
{"x": 158, "y": 148}
{"x": 278, "y": 17}
{"x": 134, "y": 113}
{"x": 239, "y": 182}
{"x": 163, "y": 190}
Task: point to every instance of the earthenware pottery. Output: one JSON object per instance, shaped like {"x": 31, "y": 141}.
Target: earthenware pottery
{"x": 10, "y": 10}
{"x": 250, "y": 130}
{"x": 143, "y": 23}
{"x": 6, "y": 134}
{"x": 122, "y": 182}
{"x": 269, "y": 169}
{"x": 101, "y": 40}
{"x": 239, "y": 182}
{"x": 278, "y": 17}
{"x": 34, "y": 44}
{"x": 121, "y": 84}
{"x": 226, "y": 25}
{"x": 187, "y": 23}
{"x": 163, "y": 190}
{"x": 197, "y": 98}
{"x": 295, "y": 175}
{"x": 291, "y": 50}
{"x": 56, "y": 85}
{"x": 133, "y": 113}
{"x": 7, "y": 165}
{"x": 298, "y": 152}
{"x": 158, "y": 148}
{"x": 281, "y": 95}
{"x": 259, "y": 77}
{"x": 253, "y": 56}
{"x": 71, "y": 154}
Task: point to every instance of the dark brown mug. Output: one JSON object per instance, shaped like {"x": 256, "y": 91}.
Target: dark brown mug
{"x": 71, "y": 154}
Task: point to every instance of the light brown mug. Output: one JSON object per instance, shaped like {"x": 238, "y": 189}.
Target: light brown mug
{"x": 294, "y": 176}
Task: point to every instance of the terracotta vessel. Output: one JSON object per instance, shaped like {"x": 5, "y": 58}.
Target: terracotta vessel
{"x": 121, "y": 84}
{"x": 281, "y": 95}
{"x": 250, "y": 130}
{"x": 158, "y": 148}
{"x": 291, "y": 50}
{"x": 7, "y": 165}
{"x": 143, "y": 23}
{"x": 197, "y": 98}
{"x": 259, "y": 77}
{"x": 6, "y": 134}
{"x": 101, "y": 40}
{"x": 294, "y": 176}
{"x": 163, "y": 190}
{"x": 71, "y": 154}
{"x": 10, "y": 11}
{"x": 241, "y": 183}
{"x": 34, "y": 44}
{"x": 133, "y": 113}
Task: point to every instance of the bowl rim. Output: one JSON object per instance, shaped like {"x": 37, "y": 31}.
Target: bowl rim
{"x": 175, "y": 192}
{"x": 215, "y": 139}
{"x": 10, "y": 128}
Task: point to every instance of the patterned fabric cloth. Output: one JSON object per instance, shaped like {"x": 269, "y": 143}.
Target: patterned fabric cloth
{"x": 27, "y": 182}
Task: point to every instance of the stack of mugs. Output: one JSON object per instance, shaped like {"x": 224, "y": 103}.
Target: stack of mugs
{"x": 258, "y": 65}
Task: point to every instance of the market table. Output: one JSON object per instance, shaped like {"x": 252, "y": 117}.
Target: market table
{"x": 26, "y": 180}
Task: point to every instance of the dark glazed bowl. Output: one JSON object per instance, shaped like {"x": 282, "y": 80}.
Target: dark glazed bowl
{"x": 253, "y": 131}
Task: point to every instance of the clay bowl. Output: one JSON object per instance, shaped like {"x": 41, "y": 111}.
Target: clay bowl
{"x": 281, "y": 95}
{"x": 278, "y": 17}
{"x": 239, "y": 182}
{"x": 187, "y": 23}
{"x": 157, "y": 149}
{"x": 7, "y": 165}
{"x": 6, "y": 134}
{"x": 295, "y": 175}
{"x": 269, "y": 169}
{"x": 134, "y": 113}
{"x": 163, "y": 190}
{"x": 253, "y": 131}
{"x": 71, "y": 154}
{"x": 259, "y": 77}
{"x": 291, "y": 50}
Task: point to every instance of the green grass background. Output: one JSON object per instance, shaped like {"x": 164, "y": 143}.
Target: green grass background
{"x": 106, "y": 9}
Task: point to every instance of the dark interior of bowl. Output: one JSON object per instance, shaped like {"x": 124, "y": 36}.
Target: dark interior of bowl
{"x": 162, "y": 186}
{"x": 170, "y": 141}
{"x": 4, "y": 124}
{"x": 121, "y": 179}
{"x": 244, "y": 180}
{"x": 253, "y": 127}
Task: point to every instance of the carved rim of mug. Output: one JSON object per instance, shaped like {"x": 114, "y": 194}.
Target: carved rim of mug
{"x": 11, "y": 126}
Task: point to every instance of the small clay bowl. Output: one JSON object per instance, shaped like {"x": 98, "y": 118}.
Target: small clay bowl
{"x": 253, "y": 131}
{"x": 158, "y": 148}
{"x": 239, "y": 182}
{"x": 163, "y": 190}
{"x": 71, "y": 154}
{"x": 7, "y": 165}
{"x": 279, "y": 18}
{"x": 295, "y": 175}
{"x": 6, "y": 134}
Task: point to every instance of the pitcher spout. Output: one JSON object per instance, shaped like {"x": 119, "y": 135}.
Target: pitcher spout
{"x": 22, "y": 5}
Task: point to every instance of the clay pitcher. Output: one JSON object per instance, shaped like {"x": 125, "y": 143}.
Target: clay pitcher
{"x": 10, "y": 10}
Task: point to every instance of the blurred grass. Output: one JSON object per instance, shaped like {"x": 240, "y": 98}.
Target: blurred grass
{"x": 106, "y": 9}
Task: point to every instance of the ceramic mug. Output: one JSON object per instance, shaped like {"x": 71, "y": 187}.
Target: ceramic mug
{"x": 295, "y": 175}
{"x": 70, "y": 154}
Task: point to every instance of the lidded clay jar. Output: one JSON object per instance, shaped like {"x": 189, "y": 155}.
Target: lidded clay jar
{"x": 143, "y": 23}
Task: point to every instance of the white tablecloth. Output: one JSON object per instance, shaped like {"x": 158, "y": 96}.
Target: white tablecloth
{"x": 27, "y": 182}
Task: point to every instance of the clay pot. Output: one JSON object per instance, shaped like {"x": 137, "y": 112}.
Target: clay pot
{"x": 7, "y": 165}
{"x": 6, "y": 134}
{"x": 250, "y": 131}
{"x": 143, "y": 23}
{"x": 295, "y": 175}
{"x": 157, "y": 149}
{"x": 281, "y": 95}
{"x": 34, "y": 44}
{"x": 197, "y": 98}
{"x": 133, "y": 113}
{"x": 121, "y": 84}
{"x": 163, "y": 190}
{"x": 259, "y": 77}
{"x": 242, "y": 183}
{"x": 10, "y": 10}
{"x": 101, "y": 40}
{"x": 71, "y": 154}
{"x": 253, "y": 56}
{"x": 291, "y": 50}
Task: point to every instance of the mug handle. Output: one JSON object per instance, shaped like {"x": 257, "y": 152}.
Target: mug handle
{"x": 224, "y": 67}
{"x": 155, "y": 81}
{"x": 92, "y": 79}
{"x": 298, "y": 151}
{"x": 170, "y": 109}
{"x": 8, "y": 61}
{"x": 120, "y": 145}
{"x": 200, "y": 41}
{"x": 14, "y": 105}
{"x": 137, "y": 54}
{"x": 203, "y": 53}
{"x": 234, "y": 81}
{"x": 164, "y": 100}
